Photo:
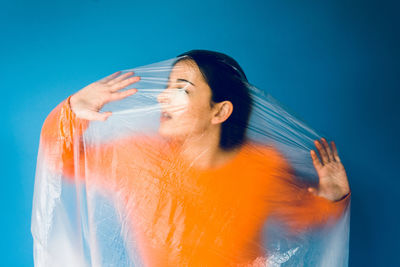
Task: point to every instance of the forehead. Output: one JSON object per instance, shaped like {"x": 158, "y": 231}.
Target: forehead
{"x": 188, "y": 70}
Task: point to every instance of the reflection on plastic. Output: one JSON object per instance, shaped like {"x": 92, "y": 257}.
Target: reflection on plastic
{"x": 134, "y": 191}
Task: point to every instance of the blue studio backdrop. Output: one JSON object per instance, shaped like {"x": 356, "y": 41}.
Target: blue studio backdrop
{"x": 334, "y": 63}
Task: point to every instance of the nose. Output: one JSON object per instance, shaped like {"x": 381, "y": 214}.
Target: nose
{"x": 163, "y": 97}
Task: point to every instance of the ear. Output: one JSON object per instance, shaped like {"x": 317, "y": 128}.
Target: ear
{"x": 222, "y": 111}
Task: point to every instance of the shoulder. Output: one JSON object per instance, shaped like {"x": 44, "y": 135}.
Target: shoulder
{"x": 147, "y": 143}
{"x": 134, "y": 147}
{"x": 265, "y": 160}
{"x": 266, "y": 154}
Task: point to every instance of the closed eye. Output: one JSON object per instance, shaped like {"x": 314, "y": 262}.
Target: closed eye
{"x": 183, "y": 89}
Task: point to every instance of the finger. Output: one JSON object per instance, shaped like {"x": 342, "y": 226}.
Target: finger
{"x": 327, "y": 149}
{"x": 124, "y": 83}
{"x": 120, "y": 78}
{"x": 335, "y": 153}
{"x": 122, "y": 95}
{"x": 317, "y": 163}
{"x": 110, "y": 77}
{"x": 322, "y": 152}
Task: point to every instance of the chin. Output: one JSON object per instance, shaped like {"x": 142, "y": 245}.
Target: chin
{"x": 170, "y": 132}
{"x": 166, "y": 131}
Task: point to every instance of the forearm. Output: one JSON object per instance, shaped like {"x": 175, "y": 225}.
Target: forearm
{"x": 315, "y": 211}
{"x": 59, "y": 132}
{"x": 300, "y": 209}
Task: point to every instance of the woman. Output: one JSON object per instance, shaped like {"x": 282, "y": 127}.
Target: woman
{"x": 202, "y": 191}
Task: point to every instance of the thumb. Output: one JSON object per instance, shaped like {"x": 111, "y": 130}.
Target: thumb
{"x": 104, "y": 115}
{"x": 97, "y": 116}
{"x": 312, "y": 190}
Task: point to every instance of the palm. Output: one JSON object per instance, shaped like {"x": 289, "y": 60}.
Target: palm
{"x": 87, "y": 102}
{"x": 333, "y": 183}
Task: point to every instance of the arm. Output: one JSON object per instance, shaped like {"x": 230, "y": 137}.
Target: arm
{"x": 61, "y": 138}
{"x": 57, "y": 145}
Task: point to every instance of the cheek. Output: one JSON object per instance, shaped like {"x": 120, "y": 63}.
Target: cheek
{"x": 199, "y": 116}
{"x": 179, "y": 103}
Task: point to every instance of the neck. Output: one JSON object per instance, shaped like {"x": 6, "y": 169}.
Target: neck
{"x": 203, "y": 151}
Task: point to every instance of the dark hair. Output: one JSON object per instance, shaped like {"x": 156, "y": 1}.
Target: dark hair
{"x": 227, "y": 82}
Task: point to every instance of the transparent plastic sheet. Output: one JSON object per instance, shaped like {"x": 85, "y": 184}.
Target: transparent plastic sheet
{"x": 129, "y": 192}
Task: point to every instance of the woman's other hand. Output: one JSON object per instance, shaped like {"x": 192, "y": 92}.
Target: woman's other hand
{"x": 333, "y": 183}
{"x": 87, "y": 102}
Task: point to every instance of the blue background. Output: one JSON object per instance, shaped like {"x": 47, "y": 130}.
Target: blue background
{"x": 334, "y": 63}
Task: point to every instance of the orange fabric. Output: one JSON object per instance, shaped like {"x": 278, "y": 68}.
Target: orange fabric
{"x": 183, "y": 216}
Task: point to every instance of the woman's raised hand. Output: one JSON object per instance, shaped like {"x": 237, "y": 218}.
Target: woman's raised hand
{"x": 333, "y": 183}
{"x": 88, "y": 101}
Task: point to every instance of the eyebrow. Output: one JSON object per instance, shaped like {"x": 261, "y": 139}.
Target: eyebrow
{"x": 183, "y": 80}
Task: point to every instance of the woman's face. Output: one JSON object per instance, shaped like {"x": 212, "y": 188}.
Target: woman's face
{"x": 185, "y": 103}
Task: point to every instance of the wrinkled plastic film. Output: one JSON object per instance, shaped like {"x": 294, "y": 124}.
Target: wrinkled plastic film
{"x": 129, "y": 192}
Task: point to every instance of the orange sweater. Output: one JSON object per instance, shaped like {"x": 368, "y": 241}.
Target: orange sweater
{"x": 180, "y": 215}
